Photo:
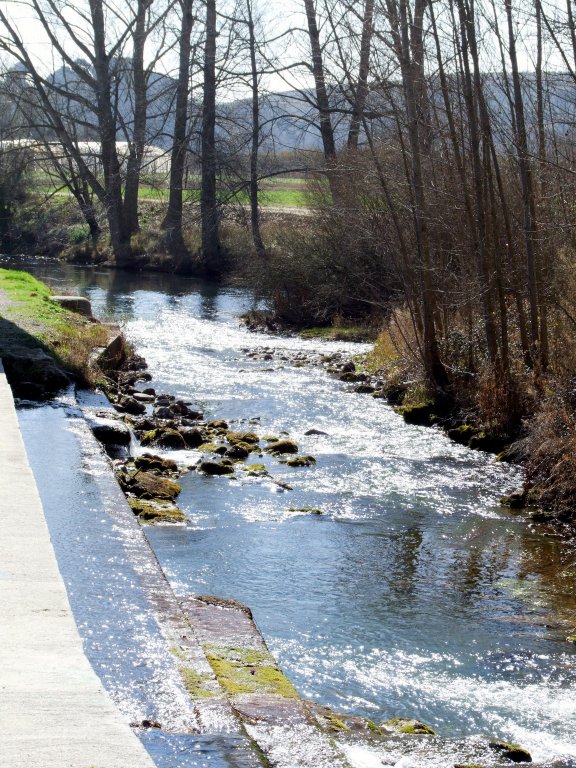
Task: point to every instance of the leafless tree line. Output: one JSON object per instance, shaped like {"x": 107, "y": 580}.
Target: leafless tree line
{"x": 446, "y": 134}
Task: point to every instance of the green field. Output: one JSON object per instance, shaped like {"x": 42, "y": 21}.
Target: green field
{"x": 281, "y": 192}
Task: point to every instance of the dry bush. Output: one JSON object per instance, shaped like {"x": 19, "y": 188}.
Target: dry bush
{"x": 551, "y": 467}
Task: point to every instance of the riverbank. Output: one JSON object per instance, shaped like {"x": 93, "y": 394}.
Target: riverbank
{"x": 44, "y": 344}
{"x": 212, "y": 372}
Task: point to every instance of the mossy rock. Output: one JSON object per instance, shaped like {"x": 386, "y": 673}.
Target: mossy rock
{"x": 270, "y": 438}
{"x": 516, "y": 500}
{"x": 150, "y": 437}
{"x": 462, "y": 434}
{"x": 238, "y": 451}
{"x": 405, "y": 725}
{"x": 255, "y": 470}
{"x": 171, "y": 438}
{"x": 192, "y": 436}
{"x": 242, "y": 437}
{"x": 335, "y": 722}
{"x": 213, "y": 448}
{"x": 147, "y": 485}
{"x": 306, "y": 510}
{"x": 421, "y": 413}
{"x": 282, "y": 446}
{"x": 300, "y": 461}
{"x": 511, "y": 751}
{"x": 247, "y": 670}
{"x": 148, "y": 461}
{"x": 331, "y": 722}
{"x": 156, "y": 511}
{"x": 216, "y": 468}
{"x": 218, "y": 424}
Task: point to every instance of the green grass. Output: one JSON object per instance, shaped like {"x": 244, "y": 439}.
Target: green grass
{"x": 281, "y": 192}
{"x": 30, "y": 319}
{"x": 340, "y": 333}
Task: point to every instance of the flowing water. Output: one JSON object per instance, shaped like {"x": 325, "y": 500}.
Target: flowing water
{"x": 413, "y": 593}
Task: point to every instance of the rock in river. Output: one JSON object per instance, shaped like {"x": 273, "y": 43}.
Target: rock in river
{"x": 216, "y": 467}
{"x": 110, "y": 431}
{"x": 282, "y": 446}
{"x": 147, "y": 485}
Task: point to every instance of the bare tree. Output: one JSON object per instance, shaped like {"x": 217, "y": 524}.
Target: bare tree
{"x": 89, "y": 40}
{"x": 211, "y": 247}
{"x": 173, "y": 220}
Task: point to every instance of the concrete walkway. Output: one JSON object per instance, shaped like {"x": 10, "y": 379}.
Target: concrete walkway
{"x": 54, "y": 712}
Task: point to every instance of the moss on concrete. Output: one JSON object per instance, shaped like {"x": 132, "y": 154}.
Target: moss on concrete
{"x": 248, "y": 670}
{"x": 195, "y": 684}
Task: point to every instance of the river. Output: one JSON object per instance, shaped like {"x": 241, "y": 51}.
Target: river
{"x": 413, "y": 593}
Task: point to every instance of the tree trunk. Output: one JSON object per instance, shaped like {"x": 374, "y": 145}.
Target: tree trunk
{"x": 471, "y": 88}
{"x": 172, "y": 223}
{"x": 211, "y": 248}
{"x": 254, "y": 209}
{"x": 363, "y": 71}
{"x": 528, "y": 203}
{"x": 138, "y": 139}
{"x": 112, "y": 197}
{"x": 322, "y": 100}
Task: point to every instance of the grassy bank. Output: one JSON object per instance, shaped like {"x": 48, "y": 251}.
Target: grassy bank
{"x": 35, "y": 328}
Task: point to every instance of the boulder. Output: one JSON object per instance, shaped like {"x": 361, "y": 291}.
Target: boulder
{"x": 113, "y": 355}
{"x": 515, "y": 500}
{"x": 128, "y": 404}
{"x": 405, "y": 725}
{"x": 242, "y": 437}
{"x": 134, "y": 362}
{"x": 212, "y": 448}
{"x": 164, "y": 412}
{"x": 315, "y": 432}
{"x": 141, "y": 397}
{"x": 78, "y": 304}
{"x": 238, "y": 451}
{"x": 147, "y": 485}
{"x": 301, "y": 461}
{"x": 192, "y": 436}
{"x": 110, "y": 431}
{"x": 148, "y": 461}
{"x": 511, "y": 751}
{"x": 282, "y": 446}
{"x": 421, "y": 413}
{"x": 462, "y": 434}
{"x": 171, "y": 438}
{"x": 157, "y": 511}
{"x": 484, "y": 441}
{"x": 216, "y": 467}
{"x": 350, "y": 376}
